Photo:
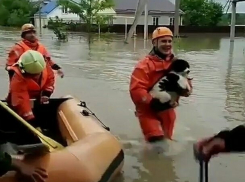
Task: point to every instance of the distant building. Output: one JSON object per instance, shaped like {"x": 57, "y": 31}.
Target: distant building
{"x": 160, "y": 12}
{"x": 53, "y": 10}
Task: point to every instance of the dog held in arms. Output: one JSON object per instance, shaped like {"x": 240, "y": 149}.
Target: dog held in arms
{"x": 173, "y": 84}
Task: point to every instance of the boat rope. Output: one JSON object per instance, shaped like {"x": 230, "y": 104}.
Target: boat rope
{"x": 88, "y": 112}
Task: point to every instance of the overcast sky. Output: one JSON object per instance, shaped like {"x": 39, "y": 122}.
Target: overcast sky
{"x": 240, "y": 6}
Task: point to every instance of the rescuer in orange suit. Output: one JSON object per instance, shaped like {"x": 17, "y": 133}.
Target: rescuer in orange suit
{"x": 150, "y": 112}
{"x": 29, "y": 42}
{"x": 32, "y": 79}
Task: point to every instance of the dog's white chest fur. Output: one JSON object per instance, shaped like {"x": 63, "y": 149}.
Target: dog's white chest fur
{"x": 165, "y": 96}
{"x": 174, "y": 83}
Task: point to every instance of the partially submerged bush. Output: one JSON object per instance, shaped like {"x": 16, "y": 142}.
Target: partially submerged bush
{"x": 59, "y": 28}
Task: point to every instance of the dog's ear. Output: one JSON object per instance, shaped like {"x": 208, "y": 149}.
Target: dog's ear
{"x": 171, "y": 77}
{"x": 179, "y": 65}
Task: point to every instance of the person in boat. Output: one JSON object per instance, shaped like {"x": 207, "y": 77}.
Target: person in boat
{"x": 29, "y": 42}
{"x": 224, "y": 142}
{"x": 24, "y": 171}
{"x": 152, "y": 114}
{"x": 32, "y": 79}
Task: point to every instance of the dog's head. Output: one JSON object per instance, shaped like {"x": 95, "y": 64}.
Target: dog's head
{"x": 180, "y": 67}
{"x": 176, "y": 83}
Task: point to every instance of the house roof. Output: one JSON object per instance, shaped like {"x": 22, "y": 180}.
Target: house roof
{"x": 109, "y": 11}
{"x": 154, "y": 6}
{"x": 50, "y": 6}
{"x": 123, "y": 7}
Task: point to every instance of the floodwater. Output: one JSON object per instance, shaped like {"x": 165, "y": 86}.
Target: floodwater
{"x": 98, "y": 72}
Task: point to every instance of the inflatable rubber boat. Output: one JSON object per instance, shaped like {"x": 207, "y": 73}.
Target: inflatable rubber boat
{"x": 90, "y": 152}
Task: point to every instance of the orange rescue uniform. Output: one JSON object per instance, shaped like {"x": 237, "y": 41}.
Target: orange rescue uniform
{"x": 23, "y": 88}
{"x": 145, "y": 75}
{"x": 24, "y": 46}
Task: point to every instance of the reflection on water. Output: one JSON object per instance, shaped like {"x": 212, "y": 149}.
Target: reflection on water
{"x": 98, "y": 71}
{"x": 235, "y": 86}
{"x": 204, "y": 43}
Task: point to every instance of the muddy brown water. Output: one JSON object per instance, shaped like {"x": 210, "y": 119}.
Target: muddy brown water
{"x": 98, "y": 72}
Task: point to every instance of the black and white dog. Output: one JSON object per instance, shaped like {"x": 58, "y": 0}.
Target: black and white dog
{"x": 173, "y": 84}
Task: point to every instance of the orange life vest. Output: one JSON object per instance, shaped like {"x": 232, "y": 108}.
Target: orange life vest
{"x": 40, "y": 48}
{"x": 22, "y": 47}
{"x": 32, "y": 85}
{"x": 19, "y": 98}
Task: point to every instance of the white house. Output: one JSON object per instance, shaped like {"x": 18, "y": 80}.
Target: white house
{"x": 51, "y": 10}
{"x": 160, "y": 12}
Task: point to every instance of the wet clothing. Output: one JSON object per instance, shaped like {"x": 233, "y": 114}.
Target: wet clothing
{"x": 5, "y": 163}
{"x": 145, "y": 75}
{"x": 25, "y": 87}
{"x": 224, "y": 142}
{"x": 234, "y": 139}
{"x": 19, "y": 48}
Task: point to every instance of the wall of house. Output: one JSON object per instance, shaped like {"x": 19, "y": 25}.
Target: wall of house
{"x": 44, "y": 21}
{"x": 166, "y": 19}
{"x": 62, "y": 13}
{"x": 119, "y": 19}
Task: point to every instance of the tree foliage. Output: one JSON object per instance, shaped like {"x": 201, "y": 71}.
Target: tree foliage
{"x": 201, "y": 12}
{"x": 226, "y": 19}
{"x": 16, "y": 12}
{"x": 88, "y": 10}
{"x": 59, "y": 28}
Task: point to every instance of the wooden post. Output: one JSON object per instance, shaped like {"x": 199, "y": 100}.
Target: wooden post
{"x": 126, "y": 27}
{"x": 233, "y": 21}
{"x": 139, "y": 12}
{"x": 146, "y": 22}
{"x": 176, "y": 18}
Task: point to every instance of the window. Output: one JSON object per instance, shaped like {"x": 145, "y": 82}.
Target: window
{"x": 110, "y": 21}
{"x": 64, "y": 10}
{"x": 155, "y": 20}
{"x": 171, "y": 21}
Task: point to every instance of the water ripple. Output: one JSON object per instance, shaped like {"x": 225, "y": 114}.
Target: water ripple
{"x": 217, "y": 101}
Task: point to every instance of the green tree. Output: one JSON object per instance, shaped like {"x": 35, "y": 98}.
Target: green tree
{"x": 15, "y": 12}
{"x": 59, "y": 28}
{"x": 4, "y": 14}
{"x": 88, "y": 10}
{"x": 215, "y": 13}
{"x": 201, "y": 12}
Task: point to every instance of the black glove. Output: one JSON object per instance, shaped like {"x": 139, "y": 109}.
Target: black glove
{"x": 11, "y": 73}
{"x": 233, "y": 139}
{"x": 157, "y": 106}
{"x": 55, "y": 67}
